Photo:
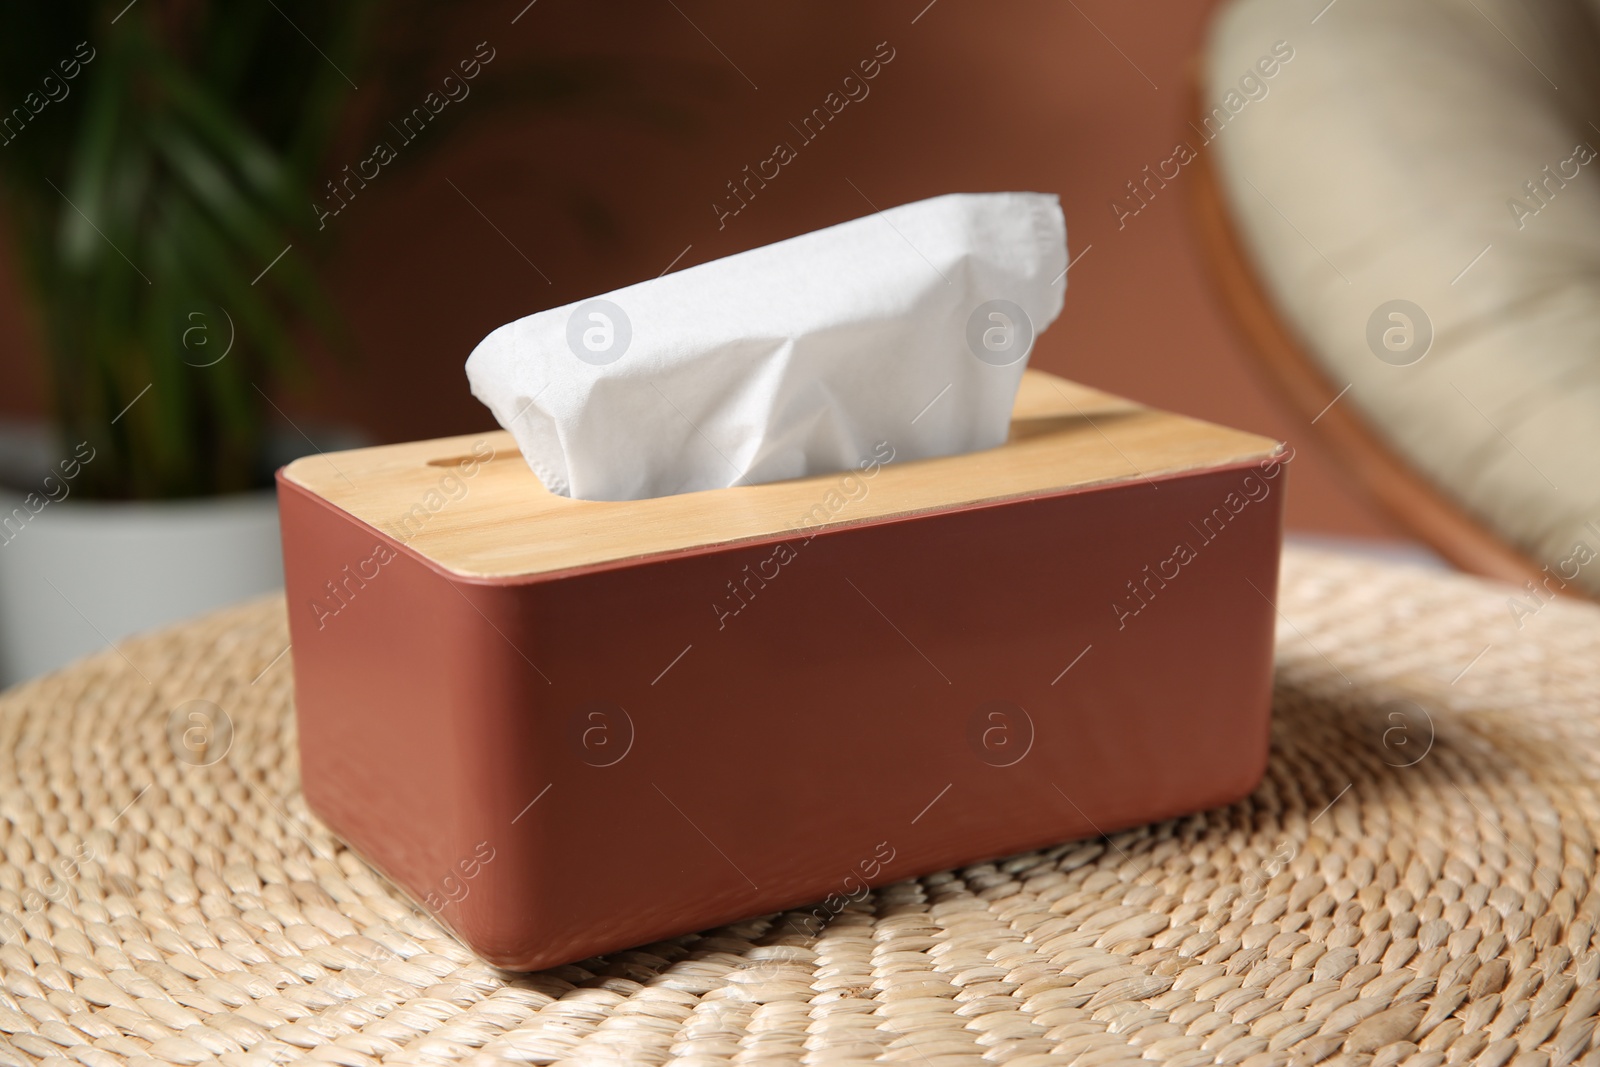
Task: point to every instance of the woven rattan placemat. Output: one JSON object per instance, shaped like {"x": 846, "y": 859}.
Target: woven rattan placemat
{"x": 1411, "y": 884}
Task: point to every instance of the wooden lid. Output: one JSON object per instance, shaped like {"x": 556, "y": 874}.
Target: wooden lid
{"x": 470, "y": 505}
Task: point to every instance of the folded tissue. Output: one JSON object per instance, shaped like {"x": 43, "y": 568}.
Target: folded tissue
{"x": 909, "y": 327}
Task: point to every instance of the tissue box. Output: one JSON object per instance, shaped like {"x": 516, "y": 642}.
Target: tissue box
{"x": 567, "y": 727}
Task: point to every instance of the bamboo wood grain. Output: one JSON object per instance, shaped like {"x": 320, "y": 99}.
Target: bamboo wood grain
{"x": 494, "y": 520}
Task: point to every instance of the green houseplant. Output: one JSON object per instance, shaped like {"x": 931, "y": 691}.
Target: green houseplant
{"x": 154, "y": 157}
{"x": 157, "y": 160}
{"x": 166, "y": 174}
{"x": 166, "y": 170}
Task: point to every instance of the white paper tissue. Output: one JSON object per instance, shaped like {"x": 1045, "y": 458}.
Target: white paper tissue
{"x": 909, "y": 326}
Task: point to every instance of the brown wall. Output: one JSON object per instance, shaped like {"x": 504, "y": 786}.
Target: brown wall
{"x": 1061, "y": 96}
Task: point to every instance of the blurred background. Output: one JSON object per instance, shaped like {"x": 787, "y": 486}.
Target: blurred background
{"x": 194, "y": 287}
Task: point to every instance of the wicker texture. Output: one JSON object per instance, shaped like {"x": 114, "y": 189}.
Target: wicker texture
{"x": 1412, "y": 884}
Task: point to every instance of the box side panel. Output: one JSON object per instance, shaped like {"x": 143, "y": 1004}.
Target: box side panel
{"x": 727, "y": 734}
{"x": 391, "y": 665}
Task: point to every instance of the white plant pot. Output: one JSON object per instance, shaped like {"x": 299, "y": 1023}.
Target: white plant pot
{"x": 79, "y": 575}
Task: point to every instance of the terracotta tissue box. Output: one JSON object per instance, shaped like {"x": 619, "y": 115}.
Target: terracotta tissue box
{"x": 569, "y": 727}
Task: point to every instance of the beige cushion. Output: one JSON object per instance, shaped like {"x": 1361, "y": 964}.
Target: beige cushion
{"x": 1377, "y": 164}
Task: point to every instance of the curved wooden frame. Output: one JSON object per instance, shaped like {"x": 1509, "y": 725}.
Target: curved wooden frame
{"x": 1367, "y": 462}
